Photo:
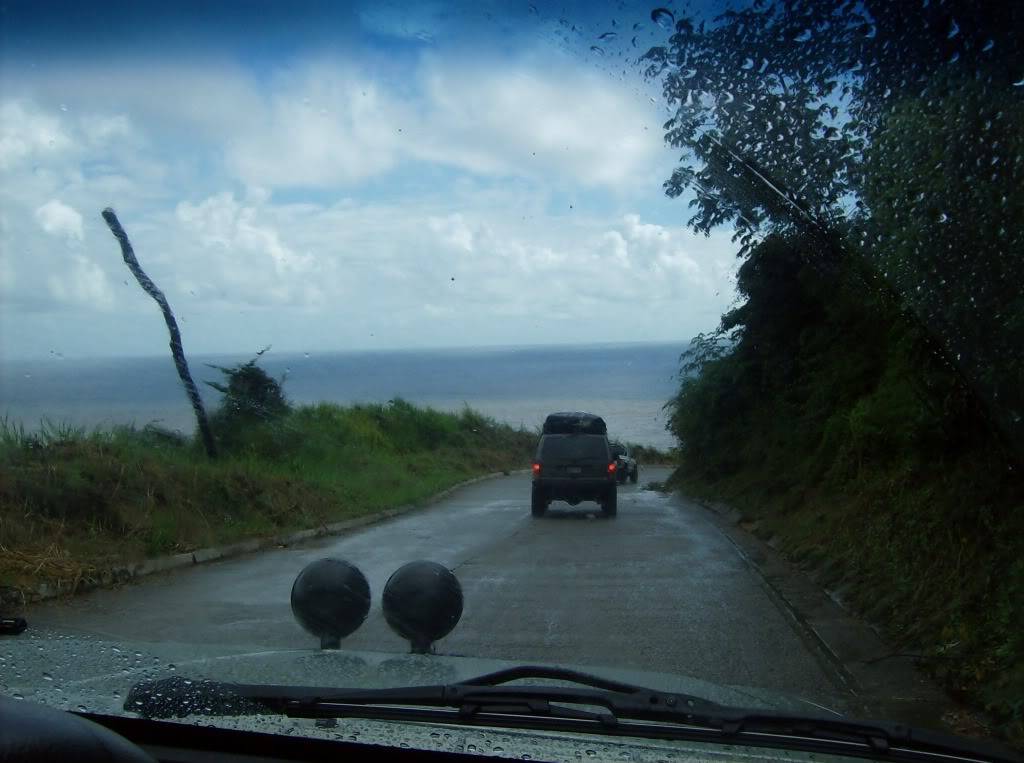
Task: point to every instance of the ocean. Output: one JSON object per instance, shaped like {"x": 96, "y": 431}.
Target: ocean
{"x": 626, "y": 384}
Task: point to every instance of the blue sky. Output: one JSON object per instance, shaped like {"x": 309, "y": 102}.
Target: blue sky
{"x": 327, "y": 176}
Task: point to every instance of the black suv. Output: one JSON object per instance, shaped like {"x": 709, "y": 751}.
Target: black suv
{"x": 574, "y": 463}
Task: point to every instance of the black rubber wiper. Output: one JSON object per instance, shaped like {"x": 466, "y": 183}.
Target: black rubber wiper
{"x": 594, "y": 705}
{"x": 178, "y": 697}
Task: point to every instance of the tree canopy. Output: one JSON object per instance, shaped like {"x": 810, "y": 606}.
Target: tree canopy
{"x": 888, "y": 132}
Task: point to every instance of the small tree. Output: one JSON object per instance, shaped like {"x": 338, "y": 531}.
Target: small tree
{"x": 251, "y": 395}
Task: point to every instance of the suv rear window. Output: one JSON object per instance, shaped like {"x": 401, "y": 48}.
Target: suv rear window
{"x": 578, "y": 446}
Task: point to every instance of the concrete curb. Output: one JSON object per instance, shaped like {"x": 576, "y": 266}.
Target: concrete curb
{"x": 16, "y": 598}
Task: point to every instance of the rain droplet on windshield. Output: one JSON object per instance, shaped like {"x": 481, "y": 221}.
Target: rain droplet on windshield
{"x": 608, "y": 36}
{"x": 596, "y": 50}
{"x": 804, "y": 36}
{"x": 663, "y": 17}
{"x": 954, "y": 29}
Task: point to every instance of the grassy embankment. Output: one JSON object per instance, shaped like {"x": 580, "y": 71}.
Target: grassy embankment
{"x": 648, "y": 455}
{"x": 831, "y": 426}
{"x": 76, "y": 503}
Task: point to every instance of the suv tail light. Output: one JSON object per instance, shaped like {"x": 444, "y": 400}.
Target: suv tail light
{"x": 611, "y": 468}
{"x": 536, "y": 470}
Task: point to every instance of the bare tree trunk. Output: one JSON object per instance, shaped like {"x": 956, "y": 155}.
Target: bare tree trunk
{"x": 172, "y": 327}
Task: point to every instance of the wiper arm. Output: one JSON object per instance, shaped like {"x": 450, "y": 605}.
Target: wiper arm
{"x": 178, "y": 697}
{"x": 625, "y": 709}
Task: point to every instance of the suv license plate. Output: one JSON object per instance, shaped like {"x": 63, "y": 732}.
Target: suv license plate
{"x": 574, "y": 469}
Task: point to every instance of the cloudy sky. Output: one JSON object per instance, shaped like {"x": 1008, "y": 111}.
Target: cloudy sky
{"x": 341, "y": 177}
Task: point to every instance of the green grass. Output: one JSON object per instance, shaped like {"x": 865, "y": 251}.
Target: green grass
{"x": 74, "y": 503}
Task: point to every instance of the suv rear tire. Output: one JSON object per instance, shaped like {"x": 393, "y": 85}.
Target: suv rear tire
{"x": 538, "y": 504}
{"x": 610, "y": 504}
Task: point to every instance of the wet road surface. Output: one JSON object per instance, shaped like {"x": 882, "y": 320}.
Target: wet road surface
{"x": 658, "y": 588}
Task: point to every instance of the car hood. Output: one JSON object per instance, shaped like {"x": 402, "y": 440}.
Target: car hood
{"x": 86, "y": 673}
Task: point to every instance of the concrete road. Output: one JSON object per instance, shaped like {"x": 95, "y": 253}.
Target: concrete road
{"x": 658, "y": 588}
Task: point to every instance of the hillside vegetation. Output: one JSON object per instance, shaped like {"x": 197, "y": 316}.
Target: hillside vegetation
{"x": 75, "y": 503}
{"x": 833, "y": 429}
{"x": 864, "y": 402}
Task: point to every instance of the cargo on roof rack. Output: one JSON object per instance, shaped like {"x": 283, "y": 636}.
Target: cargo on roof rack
{"x": 574, "y": 422}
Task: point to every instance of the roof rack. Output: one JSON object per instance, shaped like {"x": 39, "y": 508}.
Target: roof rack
{"x": 574, "y": 422}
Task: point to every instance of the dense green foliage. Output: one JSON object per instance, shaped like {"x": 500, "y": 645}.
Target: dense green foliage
{"x": 864, "y": 402}
{"x": 250, "y": 396}
{"x": 891, "y": 134}
{"x": 818, "y": 410}
{"x": 74, "y": 503}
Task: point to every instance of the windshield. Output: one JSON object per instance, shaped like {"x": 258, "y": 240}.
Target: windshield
{"x": 303, "y": 281}
{"x": 573, "y": 447}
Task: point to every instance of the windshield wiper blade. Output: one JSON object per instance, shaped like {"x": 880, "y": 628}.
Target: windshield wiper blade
{"x": 178, "y": 696}
{"x": 624, "y": 709}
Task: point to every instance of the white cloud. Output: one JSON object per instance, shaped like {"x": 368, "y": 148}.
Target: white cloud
{"x": 328, "y": 123}
{"x": 580, "y": 125}
{"x": 470, "y": 240}
{"x": 392, "y": 269}
{"x": 333, "y": 125}
{"x": 633, "y": 262}
{"x": 27, "y": 134}
{"x": 243, "y": 256}
{"x": 101, "y": 129}
{"x": 84, "y": 284}
{"x": 328, "y": 127}
{"x": 453, "y": 231}
{"x": 59, "y": 219}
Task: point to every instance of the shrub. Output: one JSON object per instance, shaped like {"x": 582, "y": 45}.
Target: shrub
{"x": 252, "y": 399}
